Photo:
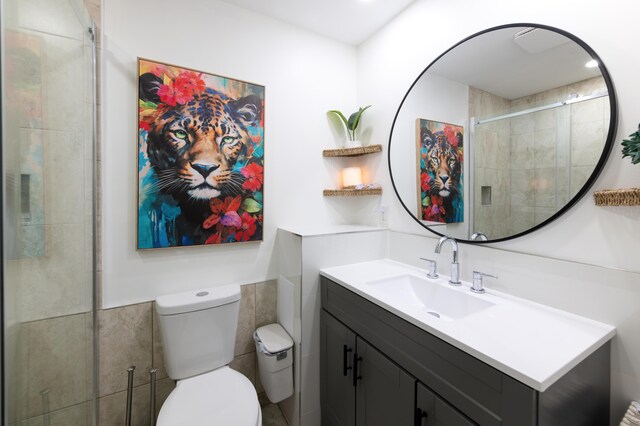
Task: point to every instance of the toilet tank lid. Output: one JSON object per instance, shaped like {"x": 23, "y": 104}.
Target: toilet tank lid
{"x": 274, "y": 338}
{"x": 197, "y": 300}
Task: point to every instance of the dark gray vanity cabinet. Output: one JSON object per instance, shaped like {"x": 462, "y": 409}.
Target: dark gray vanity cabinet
{"x": 378, "y": 369}
{"x": 360, "y": 385}
{"x": 338, "y": 391}
{"x": 433, "y": 411}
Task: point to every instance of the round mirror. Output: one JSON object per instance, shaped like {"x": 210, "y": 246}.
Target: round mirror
{"x": 502, "y": 133}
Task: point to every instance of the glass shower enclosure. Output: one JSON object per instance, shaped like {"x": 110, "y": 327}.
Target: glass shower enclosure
{"x": 48, "y": 212}
{"x": 530, "y": 156}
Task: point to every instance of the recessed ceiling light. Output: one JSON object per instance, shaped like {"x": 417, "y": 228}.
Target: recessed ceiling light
{"x": 591, "y": 64}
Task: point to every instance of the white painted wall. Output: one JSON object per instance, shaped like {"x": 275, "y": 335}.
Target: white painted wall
{"x": 305, "y": 75}
{"x": 603, "y": 282}
{"x": 452, "y": 107}
{"x": 391, "y": 60}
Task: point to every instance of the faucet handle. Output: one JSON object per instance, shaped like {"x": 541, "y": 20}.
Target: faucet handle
{"x": 433, "y": 267}
{"x": 477, "y": 281}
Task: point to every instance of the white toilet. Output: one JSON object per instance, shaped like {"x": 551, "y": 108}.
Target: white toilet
{"x": 198, "y": 333}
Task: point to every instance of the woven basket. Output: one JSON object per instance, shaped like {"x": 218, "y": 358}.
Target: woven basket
{"x": 618, "y": 197}
{"x": 632, "y": 416}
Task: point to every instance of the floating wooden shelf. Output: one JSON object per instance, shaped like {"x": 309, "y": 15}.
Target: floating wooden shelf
{"x": 618, "y": 197}
{"x": 352, "y": 152}
{"x": 351, "y": 192}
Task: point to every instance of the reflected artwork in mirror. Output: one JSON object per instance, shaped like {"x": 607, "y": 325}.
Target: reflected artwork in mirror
{"x": 538, "y": 110}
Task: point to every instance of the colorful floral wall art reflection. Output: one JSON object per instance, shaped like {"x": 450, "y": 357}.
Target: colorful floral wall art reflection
{"x": 200, "y": 158}
{"x": 440, "y": 171}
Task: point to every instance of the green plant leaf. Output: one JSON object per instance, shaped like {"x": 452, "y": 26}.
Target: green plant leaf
{"x": 342, "y": 117}
{"x": 354, "y": 119}
{"x": 250, "y": 205}
{"x": 631, "y": 147}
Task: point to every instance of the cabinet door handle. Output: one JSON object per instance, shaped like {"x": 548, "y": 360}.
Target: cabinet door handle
{"x": 356, "y": 375}
{"x": 345, "y": 357}
{"x": 417, "y": 419}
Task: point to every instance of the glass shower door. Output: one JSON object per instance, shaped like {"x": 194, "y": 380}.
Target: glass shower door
{"x": 48, "y": 111}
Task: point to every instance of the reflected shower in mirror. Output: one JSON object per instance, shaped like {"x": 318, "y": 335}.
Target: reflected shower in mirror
{"x": 535, "y": 113}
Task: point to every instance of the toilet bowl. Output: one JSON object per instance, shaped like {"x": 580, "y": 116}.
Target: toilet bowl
{"x": 221, "y": 397}
{"x": 198, "y": 333}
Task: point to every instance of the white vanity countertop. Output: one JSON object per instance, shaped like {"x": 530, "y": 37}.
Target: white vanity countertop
{"x": 532, "y": 343}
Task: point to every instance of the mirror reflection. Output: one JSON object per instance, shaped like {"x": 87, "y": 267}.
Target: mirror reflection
{"x": 501, "y": 133}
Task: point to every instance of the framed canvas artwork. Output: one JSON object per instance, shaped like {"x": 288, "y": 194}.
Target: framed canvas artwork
{"x": 440, "y": 171}
{"x": 200, "y": 158}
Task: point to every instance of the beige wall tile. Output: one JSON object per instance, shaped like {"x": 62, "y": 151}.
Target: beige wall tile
{"x": 545, "y": 187}
{"x": 112, "y": 408}
{"x": 75, "y": 415}
{"x": 521, "y": 187}
{"x": 545, "y": 148}
{"x": 163, "y": 388}
{"x": 56, "y": 357}
{"x": 266, "y": 303}
{"x": 545, "y": 120}
{"x": 125, "y": 339}
{"x": 521, "y": 218}
{"x": 587, "y": 141}
{"x": 246, "y": 320}
{"x": 522, "y": 151}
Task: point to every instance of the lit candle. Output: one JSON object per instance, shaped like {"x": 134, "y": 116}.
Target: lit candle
{"x": 351, "y": 176}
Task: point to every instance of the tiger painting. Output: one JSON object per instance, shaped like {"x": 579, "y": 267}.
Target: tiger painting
{"x": 440, "y": 171}
{"x": 200, "y": 158}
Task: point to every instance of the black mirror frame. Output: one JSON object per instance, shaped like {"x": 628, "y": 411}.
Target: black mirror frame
{"x": 613, "y": 124}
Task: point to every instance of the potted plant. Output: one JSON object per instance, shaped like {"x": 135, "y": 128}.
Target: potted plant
{"x": 351, "y": 124}
{"x": 631, "y": 147}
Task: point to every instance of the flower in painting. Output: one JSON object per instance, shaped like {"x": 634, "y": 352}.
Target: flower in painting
{"x": 247, "y": 229}
{"x": 172, "y": 94}
{"x": 425, "y": 180}
{"x": 450, "y": 135}
{"x": 224, "y": 212}
{"x": 145, "y": 126}
{"x": 215, "y": 238}
{"x": 435, "y": 211}
{"x": 253, "y": 174}
{"x": 190, "y": 82}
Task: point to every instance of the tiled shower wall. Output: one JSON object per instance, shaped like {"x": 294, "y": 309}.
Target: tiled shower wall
{"x": 492, "y": 158}
{"x": 129, "y": 335}
{"x": 534, "y": 163}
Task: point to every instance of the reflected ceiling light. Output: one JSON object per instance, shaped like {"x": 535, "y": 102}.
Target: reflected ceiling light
{"x": 591, "y": 64}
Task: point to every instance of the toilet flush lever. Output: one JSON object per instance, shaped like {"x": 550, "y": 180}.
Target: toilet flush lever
{"x": 433, "y": 268}
{"x": 477, "y": 286}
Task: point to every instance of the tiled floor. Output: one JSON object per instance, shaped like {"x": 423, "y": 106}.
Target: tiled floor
{"x": 271, "y": 413}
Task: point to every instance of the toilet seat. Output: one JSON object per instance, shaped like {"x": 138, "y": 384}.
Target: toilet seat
{"x": 222, "y": 397}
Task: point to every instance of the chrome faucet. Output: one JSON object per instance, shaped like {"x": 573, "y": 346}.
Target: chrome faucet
{"x": 479, "y": 236}
{"x": 477, "y": 286}
{"x": 455, "y": 266}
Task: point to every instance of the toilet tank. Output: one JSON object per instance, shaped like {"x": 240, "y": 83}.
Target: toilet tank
{"x": 198, "y": 329}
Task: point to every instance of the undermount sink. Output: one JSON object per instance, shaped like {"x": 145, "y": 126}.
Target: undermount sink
{"x": 446, "y": 303}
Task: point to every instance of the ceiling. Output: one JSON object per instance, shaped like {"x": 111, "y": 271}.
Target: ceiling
{"x": 348, "y": 21}
{"x": 512, "y": 67}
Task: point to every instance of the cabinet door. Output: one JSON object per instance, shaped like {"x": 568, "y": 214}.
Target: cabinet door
{"x": 433, "y": 411}
{"x": 337, "y": 393}
{"x": 384, "y": 392}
